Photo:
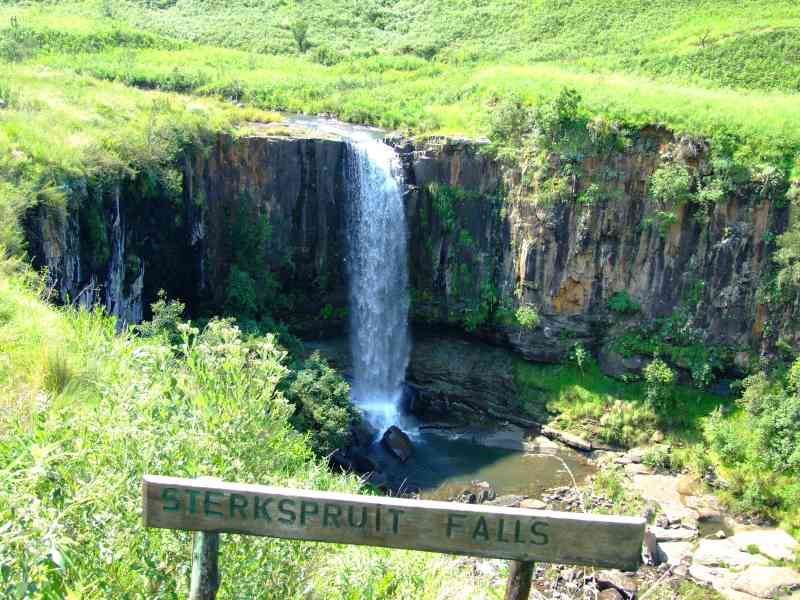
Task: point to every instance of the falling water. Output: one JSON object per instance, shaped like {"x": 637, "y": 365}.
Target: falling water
{"x": 378, "y": 271}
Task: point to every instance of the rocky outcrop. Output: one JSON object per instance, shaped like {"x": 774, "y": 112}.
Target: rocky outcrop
{"x": 481, "y": 250}
{"x": 294, "y": 185}
{"x": 478, "y": 241}
{"x": 116, "y": 244}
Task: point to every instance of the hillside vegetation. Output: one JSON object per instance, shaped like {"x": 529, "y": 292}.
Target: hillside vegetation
{"x": 84, "y": 413}
{"x": 729, "y": 70}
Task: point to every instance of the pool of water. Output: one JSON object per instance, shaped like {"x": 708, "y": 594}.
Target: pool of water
{"x": 443, "y": 465}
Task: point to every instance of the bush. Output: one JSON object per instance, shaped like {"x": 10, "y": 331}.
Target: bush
{"x": 671, "y": 184}
{"x": 322, "y": 405}
{"x": 622, "y": 304}
{"x": 527, "y": 317}
{"x": 660, "y": 386}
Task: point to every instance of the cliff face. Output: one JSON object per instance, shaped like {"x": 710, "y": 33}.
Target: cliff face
{"x": 481, "y": 248}
{"x": 478, "y": 242}
{"x": 264, "y": 204}
{"x": 292, "y": 186}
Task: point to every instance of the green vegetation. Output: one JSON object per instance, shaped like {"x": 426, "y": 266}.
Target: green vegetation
{"x": 86, "y": 412}
{"x": 622, "y": 304}
{"x": 584, "y": 400}
{"x": 723, "y": 70}
{"x": 527, "y": 317}
{"x": 758, "y": 447}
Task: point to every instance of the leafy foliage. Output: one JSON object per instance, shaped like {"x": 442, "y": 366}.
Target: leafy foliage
{"x": 758, "y": 446}
{"x": 527, "y": 317}
{"x": 84, "y": 413}
{"x": 622, "y": 304}
{"x": 322, "y": 405}
{"x": 660, "y": 381}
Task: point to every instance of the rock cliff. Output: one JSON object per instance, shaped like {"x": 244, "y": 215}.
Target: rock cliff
{"x": 481, "y": 248}
{"x": 486, "y": 256}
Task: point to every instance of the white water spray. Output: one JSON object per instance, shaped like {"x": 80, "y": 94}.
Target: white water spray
{"x": 378, "y": 273}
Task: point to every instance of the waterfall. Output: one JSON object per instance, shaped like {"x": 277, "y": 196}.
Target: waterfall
{"x": 378, "y": 275}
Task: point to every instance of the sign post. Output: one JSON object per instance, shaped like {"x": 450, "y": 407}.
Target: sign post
{"x": 519, "y": 535}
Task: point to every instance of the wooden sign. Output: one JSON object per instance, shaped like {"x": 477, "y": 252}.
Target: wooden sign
{"x": 451, "y": 528}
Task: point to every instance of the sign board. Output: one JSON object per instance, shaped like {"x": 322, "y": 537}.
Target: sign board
{"x": 477, "y": 530}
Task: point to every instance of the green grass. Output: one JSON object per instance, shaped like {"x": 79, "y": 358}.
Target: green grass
{"x": 726, "y": 70}
{"x": 84, "y": 413}
{"x": 581, "y": 397}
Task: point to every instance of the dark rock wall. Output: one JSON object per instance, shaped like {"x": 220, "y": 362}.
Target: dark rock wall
{"x": 117, "y": 244}
{"x": 568, "y": 259}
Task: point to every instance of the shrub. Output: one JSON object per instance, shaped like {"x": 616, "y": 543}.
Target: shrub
{"x": 527, "y": 317}
{"x": 622, "y": 304}
{"x": 671, "y": 184}
{"x": 322, "y": 405}
{"x": 299, "y": 29}
{"x": 579, "y": 355}
{"x": 660, "y": 384}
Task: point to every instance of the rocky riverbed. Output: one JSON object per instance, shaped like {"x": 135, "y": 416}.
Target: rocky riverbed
{"x": 690, "y": 543}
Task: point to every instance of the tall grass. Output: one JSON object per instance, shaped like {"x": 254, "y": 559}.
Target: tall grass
{"x": 85, "y": 413}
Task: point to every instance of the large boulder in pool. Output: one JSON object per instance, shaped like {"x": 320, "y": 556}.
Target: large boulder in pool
{"x": 397, "y": 443}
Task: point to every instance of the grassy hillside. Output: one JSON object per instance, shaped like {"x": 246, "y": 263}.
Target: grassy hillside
{"x": 728, "y": 70}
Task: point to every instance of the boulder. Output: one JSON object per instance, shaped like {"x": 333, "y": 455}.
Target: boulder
{"x": 673, "y": 553}
{"x": 774, "y": 543}
{"x": 397, "y": 443}
{"x": 362, "y": 463}
{"x": 571, "y": 440}
{"x": 615, "y": 365}
{"x": 617, "y": 580}
{"x": 766, "y": 582}
{"x": 715, "y": 553}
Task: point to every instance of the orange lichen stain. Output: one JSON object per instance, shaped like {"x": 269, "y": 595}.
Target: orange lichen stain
{"x": 572, "y": 297}
{"x": 760, "y": 321}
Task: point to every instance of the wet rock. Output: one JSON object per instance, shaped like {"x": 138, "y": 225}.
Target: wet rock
{"x": 773, "y": 543}
{"x": 362, "y": 463}
{"x": 571, "y": 440}
{"x": 533, "y": 504}
{"x": 618, "y": 581}
{"x": 397, "y": 443}
{"x": 363, "y": 433}
{"x": 767, "y": 582}
{"x": 720, "y": 535}
{"x": 340, "y": 461}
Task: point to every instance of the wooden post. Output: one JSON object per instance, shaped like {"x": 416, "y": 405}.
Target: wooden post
{"x": 205, "y": 566}
{"x": 520, "y": 576}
